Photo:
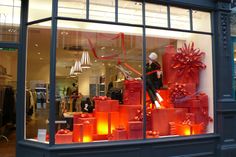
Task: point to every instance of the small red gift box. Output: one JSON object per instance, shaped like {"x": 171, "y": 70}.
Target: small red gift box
{"x": 83, "y": 132}
{"x": 119, "y": 134}
{"x": 128, "y": 113}
{"x": 189, "y": 129}
{"x": 106, "y": 105}
{"x": 132, "y": 94}
{"x": 63, "y": 137}
{"x": 106, "y": 122}
{"x": 91, "y": 120}
{"x": 180, "y": 114}
{"x": 161, "y": 118}
{"x": 135, "y": 130}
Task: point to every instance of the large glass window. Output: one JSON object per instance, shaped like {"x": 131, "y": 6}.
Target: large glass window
{"x": 39, "y": 9}
{"x": 201, "y": 21}
{"x": 37, "y": 82}
{"x": 9, "y": 20}
{"x": 179, "y": 83}
{"x": 98, "y": 82}
{"x": 179, "y": 18}
{"x": 72, "y": 8}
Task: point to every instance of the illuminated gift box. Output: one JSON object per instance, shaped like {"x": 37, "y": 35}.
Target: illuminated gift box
{"x": 119, "y": 134}
{"x": 161, "y": 118}
{"x": 63, "y": 137}
{"x": 128, "y": 113}
{"x": 135, "y": 130}
{"x": 81, "y": 118}
{"x": 189, "y": 129}
{"x": 106, "y": 105}
{"x": 106, "y": 122}
{"x": 132, "y": 94}
{"x": 83, "y": 132}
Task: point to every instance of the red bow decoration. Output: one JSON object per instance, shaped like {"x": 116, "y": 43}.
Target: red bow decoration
{"x": 139, "y": 114}
{"x": 187, "y": 61}
{"x": 177, "y": 92}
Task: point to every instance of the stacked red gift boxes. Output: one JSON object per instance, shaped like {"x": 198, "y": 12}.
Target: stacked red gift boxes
{"x": 184, "y": 110}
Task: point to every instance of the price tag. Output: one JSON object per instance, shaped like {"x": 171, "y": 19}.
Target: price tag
{"x": 42, "y": 135}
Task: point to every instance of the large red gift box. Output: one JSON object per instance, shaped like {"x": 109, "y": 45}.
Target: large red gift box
{"x": 91, "y": 120}
{"x": 161, "y": 118}
{"x": 119, "y": 134}
{"x": 128, "y": 113}
{"x": 169, "y": 74}
{"x": 63, "y": 137}
{"x": 132, "y": 94}
{"x": 106, "y": 105}
{"x": 135, "y": 130}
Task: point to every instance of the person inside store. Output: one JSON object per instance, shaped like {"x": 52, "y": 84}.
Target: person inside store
{"x": 154, "y": 79}
{"x": 86, "y": 105}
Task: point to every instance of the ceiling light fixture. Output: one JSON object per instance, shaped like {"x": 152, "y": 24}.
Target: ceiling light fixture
{"x": 85, "y": 60}
{"x": 72, "y": 72}
{"x": 77, "y": 68}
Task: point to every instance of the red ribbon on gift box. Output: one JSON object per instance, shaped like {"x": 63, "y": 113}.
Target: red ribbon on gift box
{"x": 177, "y": 92}
{"x": 187, "y": 61}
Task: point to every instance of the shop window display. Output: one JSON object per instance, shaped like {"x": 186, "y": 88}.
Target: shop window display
{"x": 37, "y": 83}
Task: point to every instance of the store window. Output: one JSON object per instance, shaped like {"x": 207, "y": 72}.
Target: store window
{"x": 72, "y": 8}
{"x": 180, "y": 18}
{"x": 37, "y": 82}
{"x": 179, "y": 97}
{"x": 130, "y": 12}
{"x": 39, "y": 9}
{"x": 9, "y": 20}
{"x": 156, "y": 15}
{"x": 201, "y": 21}
{"x": 98, "y": 82}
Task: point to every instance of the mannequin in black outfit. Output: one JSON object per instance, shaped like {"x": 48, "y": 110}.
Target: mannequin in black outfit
{"x": 154, "y": 79}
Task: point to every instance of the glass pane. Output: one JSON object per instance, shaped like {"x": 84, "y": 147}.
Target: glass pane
{"x": 179, "y": 18}
{"x": 72, "y": 8}
{"x": 201, "y": 21}
{"x": 179, "y": 100}
{"x": 156, "y": 15}
{"x": 98, "y": 83}
{"x": 39, "y": 9}
{"x": 9, "y": 20}
{"x": 8, "y": 85}
{"x": 130, "y": 12}
{"x": 234, "y": 68}
{"x": 37, "y": 82}
{"x": 102, "y": 10}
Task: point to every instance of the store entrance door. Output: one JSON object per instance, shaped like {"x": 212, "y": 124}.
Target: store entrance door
{"x": 8, "y": 85}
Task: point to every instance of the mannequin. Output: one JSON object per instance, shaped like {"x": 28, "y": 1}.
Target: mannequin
{"x": 154, "y": 79}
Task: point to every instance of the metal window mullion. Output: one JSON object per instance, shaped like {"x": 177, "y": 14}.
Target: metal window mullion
{"x": 116, "y": 10}
{"x": 144, "y": 71}
{"x": 52, "y": 116}
{"x": 87, "y": 9}
{"x": 168, "y": 16}
{"x": 21, "y": 73}
{"x": 191, "y": 19}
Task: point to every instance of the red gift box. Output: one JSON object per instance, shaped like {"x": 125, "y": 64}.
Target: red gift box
{"x": 106, "y": 122}
{"x": 132, "y": 94}
{"x": 135, "y": 130}
{"x": 165, "y": 94}
{"x": 189, "y": 129}
{"x": 169, "y": 74}
{"x": 106, "y": 105}
{"x": 83, "y": 132}
{"x": 180, "y": 114}
{"x": 91, "y": 120}
{"x": 161, "y": 118}
{"x": 119, "y": 134}
{"x": 63, "y": 137}
{"x": 201, "y": 114}
{"x": 128, "y": 113}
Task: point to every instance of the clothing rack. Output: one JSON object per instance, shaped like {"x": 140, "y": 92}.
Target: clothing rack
{"x": 4, "y": 124}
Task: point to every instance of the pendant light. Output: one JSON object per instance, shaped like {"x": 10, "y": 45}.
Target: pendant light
{"x": 85, "y": 60}
{"x": 72, "y": 72}
{"x": 77, "y": 68}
